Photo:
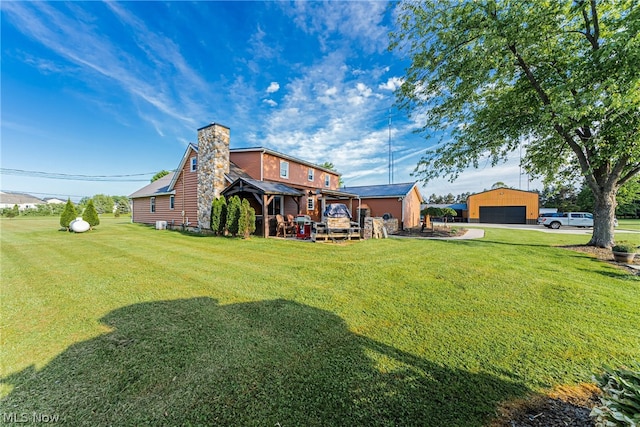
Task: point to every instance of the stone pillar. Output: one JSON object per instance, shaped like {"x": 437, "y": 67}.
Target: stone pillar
{"x": 213, "y": 163}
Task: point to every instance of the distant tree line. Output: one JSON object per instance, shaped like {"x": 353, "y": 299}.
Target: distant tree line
{"x": 448, "y": 199}
{"x": 569, "y": 198}
{"x": 44, "y": 209}
{"x": 103, "y": 204}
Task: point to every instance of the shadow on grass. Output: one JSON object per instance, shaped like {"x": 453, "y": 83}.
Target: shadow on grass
{"x": 195, "y": 362}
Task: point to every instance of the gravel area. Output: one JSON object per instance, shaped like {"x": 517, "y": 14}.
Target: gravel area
{"x": 565, "y": 406}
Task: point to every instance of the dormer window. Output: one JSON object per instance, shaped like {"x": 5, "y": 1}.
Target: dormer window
{"x": 194, "y": 164}
{"x": 284, "y": 169}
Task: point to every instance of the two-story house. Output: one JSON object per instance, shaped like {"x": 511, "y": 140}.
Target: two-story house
{"x": 274, "y": 183}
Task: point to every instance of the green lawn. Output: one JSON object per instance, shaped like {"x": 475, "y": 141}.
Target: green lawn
{"x": 126, "y": 325}
{"x": 629, "y": 224}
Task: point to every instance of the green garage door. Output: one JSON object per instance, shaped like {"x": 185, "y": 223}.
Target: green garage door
{"x": 503, "y": 214}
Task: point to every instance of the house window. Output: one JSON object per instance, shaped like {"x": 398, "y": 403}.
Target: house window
{"x": 194, "y": 164}
{"x": 152, "y": 202}
{"x": 284, "y": 169}
{"x": 172, "y": 202}
{"x": 310, "y": 175}
{"x": 275, "y": 207}
{"x": 327, "y": 180}
{"x": 311, "y": 203}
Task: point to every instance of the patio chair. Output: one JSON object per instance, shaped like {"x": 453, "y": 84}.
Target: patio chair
{"x": 284, "y": 226}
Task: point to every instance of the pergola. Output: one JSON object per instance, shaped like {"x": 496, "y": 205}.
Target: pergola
{"x": 263, "y": 193}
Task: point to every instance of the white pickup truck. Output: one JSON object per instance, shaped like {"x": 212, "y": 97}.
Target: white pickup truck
{"x": 575, "y": 219}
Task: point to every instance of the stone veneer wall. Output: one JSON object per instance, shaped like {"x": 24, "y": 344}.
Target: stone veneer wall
{"x": 213, "y": 163}
{"x": 373, "y": 227}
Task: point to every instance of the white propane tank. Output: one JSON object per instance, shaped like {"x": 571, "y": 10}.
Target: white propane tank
{"x": 79, "y": 225}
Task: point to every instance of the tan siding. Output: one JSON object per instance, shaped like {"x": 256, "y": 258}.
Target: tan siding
{"x": 503, "y": 197}
{"x": 412, "y": 209}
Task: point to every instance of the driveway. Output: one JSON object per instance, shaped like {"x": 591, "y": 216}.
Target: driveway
{"x": 541, "y": 228}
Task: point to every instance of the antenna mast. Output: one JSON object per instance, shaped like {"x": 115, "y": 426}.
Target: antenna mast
{"x": 390, "y": 156}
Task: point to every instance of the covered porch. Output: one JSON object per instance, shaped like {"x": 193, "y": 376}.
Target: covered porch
{"x": 268, "y": 199}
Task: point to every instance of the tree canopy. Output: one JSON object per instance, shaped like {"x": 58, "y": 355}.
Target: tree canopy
{"x": 159, "y": 175}
{"x": 561, "y": 79}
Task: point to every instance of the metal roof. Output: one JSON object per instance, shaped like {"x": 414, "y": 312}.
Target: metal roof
{"x": 388, "y": 190}
{"x": 456, "y": 206}
{"x": 266, "y": 187}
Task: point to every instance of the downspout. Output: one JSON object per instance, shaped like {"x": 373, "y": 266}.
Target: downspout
{"x": 403, "y": 210}
{"x": 262, "y": 165}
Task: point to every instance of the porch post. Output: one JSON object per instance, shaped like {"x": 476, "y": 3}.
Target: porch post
{"x": 265, "y": 216}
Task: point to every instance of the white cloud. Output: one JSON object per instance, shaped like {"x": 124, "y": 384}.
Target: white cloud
{"x": 391, "y": 84}
{"x": 273, "y": 87}
{"x": 270, "y": 102}
{"x": 338, "y": 23}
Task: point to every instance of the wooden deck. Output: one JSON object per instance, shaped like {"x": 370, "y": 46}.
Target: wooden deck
{"x": 335, "y": 229}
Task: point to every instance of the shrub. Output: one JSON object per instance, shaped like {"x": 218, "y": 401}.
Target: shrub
{"x": 68, "y": 214}
{"x": 218, "y": 215}
{"x": 252, "y": 220}
{"x": 233, "y": 215}
{"x": 247, "y": 221}
{"x": 625, "y": 247}
{"x": 620, "y": 403}
{"x": 11, "y": 212}
{"x": 90, "y": 214}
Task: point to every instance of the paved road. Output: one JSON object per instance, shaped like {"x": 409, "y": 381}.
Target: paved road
{"x": 541, "y": 228}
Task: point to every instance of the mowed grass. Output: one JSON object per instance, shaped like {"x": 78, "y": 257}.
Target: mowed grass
{"x": 126, "y": 325}
{"x": 628, "y": 224}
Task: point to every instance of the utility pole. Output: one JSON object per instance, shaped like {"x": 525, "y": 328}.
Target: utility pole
{"x": 520, "y": 171}
{"x": 390, "y": 156}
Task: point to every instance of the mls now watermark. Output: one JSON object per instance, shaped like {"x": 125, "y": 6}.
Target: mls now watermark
{"x": 25, "y": 417}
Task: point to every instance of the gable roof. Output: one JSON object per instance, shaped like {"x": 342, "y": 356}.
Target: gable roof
{"x": 18, "y": 198}
{"x": 265, "y": 187}
{"x": 158, "y": 187}
{"x": 185, "y": 156}
{"x": 235, "y": 172}
{"x": 493, "y": 190}
{"x": 388, "y": 190}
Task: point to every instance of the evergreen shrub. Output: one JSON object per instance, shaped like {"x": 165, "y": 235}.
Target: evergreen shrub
{"x": 68, "y": 214}
{"x": 90, "y": 214}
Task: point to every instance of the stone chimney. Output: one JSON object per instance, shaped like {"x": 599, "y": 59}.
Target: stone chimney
{"x": 213, "y": 163}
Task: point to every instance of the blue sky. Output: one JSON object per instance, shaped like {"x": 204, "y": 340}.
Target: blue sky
{"x": 117, "y": 90}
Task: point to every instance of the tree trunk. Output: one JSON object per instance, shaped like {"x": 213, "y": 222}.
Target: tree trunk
{"x": 603, "y": 218}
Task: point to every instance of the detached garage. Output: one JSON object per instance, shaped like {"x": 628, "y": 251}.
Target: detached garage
{"x": 503, "y": 206}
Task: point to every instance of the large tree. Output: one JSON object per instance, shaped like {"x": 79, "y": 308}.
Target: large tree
{"x": 560, "y": 78}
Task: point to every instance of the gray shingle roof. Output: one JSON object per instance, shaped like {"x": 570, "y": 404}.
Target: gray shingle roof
{"x": 19, "y": 198}
{"x": 157, "y": 187}
{"x": 388, "y": 190}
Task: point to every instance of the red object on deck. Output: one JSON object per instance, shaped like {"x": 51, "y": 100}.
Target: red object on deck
{"x": 303, "y": 226}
